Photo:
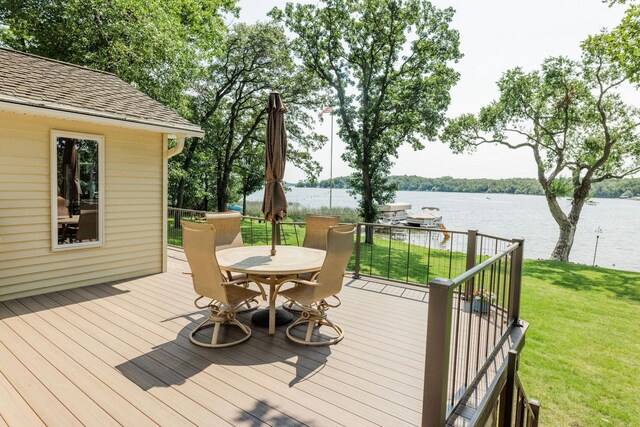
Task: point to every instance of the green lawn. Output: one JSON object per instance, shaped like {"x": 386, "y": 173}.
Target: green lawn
{"x": 582, "y": 354}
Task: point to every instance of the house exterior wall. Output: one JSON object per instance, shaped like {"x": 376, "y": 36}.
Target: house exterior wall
{"x": 135, "y": 171}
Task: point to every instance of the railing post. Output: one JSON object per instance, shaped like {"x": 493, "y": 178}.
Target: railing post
{"x": 535, "y": 408}
{"x": 356, "y": 267}
{"x": 516, "y": 280}
{"x": 436, "y": 370}
{"x": 506, "y": 406}
{"x": 471, "y": 262}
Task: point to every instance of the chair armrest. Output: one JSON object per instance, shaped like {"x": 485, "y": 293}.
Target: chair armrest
{"x": 302, "y": 282}
{"x": 236, "y": 282}
{"x": 245, "y": 281}
{"x": 297, "y": 282}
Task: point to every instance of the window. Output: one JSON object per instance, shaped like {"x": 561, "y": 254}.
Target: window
{"x": 77, "y": 190}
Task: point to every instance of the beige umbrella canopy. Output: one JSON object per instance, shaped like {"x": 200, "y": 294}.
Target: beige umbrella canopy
{"x": 274, "y": 205}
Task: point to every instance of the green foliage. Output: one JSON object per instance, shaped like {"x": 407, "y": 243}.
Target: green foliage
{"x": 387, "y": 65}
{"x": 569, "y": 114}
{"x": 230, "y": 103}
{"x": 622, "y": 44}
{"x": 157, "y": 45}
{"x": 607, "y": 189}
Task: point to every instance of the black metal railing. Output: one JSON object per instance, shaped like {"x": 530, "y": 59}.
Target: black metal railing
{"x": 174, "y": 230}
{"x": 469, "y": 318}
{"x": 506, "y": 403}
{"x": 411, "y": 255}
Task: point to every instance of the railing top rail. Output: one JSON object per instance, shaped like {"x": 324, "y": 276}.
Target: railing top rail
{"x": 491, "y": 236}
{"x": 471, "y": 273}
{"x": 187, "y": 210}
{"x": 260, "y": 218}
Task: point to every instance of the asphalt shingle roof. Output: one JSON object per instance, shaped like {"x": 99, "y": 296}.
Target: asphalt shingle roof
{"x": 37, "y": 81}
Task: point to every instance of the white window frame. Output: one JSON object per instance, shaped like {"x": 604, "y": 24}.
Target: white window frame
{"x": 55, "y": 134}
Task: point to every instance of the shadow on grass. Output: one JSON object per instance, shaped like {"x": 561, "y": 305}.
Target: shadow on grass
{"x": 621, "y": 284}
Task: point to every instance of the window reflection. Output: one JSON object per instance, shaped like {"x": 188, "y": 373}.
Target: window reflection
{"x": 77, "y": 187}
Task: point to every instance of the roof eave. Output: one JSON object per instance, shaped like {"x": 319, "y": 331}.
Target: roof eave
{"x": 43, "y": 108}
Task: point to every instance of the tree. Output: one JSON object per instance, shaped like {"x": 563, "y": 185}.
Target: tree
{"x": 230, "y": 105}
{"x": 158, "y": 45}
{"x": 622, "y": 44}
{"x": 251, "y": 170}
{"x": 387, "y": 64}
{"x": 570, "y": 115}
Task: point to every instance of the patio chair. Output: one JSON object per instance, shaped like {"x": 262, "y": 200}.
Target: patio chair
{"x": 316, "y": 227}
{"x": 315, "y": 236}
{"x": 228, "y": 233}
{"x": 199, "y": 241}
{"x": 311, "y": 295}
{"x": 63, "y": 210}
{"x": 88, "y": 222}
{"x": 227, "y": 225}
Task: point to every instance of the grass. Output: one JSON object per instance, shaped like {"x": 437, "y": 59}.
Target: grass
{"x": 581, "y": 359}
{"x": 297, "y": 212}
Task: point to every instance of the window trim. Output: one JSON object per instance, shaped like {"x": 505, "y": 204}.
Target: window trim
{"x": 53, "y": 176}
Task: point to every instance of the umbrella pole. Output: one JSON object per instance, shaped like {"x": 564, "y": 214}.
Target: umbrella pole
{"x": 273, "y": 237}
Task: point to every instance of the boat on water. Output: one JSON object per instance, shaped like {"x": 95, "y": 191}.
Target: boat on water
{"x": 429, "y": 218}
{"x": 396, "y": 214}
{"x": 393, "y": 213}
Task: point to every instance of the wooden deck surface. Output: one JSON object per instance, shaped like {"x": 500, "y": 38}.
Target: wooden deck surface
{"x": 119, "y": 354}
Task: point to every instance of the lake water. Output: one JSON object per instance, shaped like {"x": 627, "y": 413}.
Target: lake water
{"x": 508, "y": 215}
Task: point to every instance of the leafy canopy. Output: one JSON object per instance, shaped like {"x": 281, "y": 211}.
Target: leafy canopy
{"x": 156, "y": 44}
{"x": 571, "y": 116}
{"x": 387, "y": 63}
{"x": 230, "y": 100}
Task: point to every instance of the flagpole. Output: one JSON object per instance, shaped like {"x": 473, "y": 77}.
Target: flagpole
{"x": 331, "y": 166}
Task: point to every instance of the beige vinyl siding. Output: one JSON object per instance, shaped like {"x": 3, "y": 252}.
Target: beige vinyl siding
{"x": 133, "y": 208}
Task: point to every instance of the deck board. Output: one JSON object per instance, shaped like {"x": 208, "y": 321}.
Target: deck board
{"x": 119, "y": 353}
{"x": 14, "y": 409}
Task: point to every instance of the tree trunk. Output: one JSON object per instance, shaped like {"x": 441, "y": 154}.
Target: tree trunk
{"x": 222, "y": 192}
{"x": 186, "y": 164}
{"x": 222, "y": 198}
{"x": 368, "y": 209}
{"x": 565, "y": 242}
{"x": 180, "y": 201}
{"x": 244, "y": 202}
{"x": 567, "y": 223}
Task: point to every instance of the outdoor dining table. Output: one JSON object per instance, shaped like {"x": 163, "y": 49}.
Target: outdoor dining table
{"x": 64, "y": 223}
{"x": 68, "y": 220}
{"x": 261, "y": 267}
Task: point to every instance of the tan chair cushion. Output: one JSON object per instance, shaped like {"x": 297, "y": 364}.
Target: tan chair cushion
{"x": 301, "y": 294}
{"x": 237, "y": 294}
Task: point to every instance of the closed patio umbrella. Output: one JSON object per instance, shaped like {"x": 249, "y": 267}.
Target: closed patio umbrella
{"x": 71, "y": 190}
{"x": 274, "y": 205}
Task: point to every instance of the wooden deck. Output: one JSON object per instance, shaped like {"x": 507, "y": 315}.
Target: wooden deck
{"x": 119, "y": 353}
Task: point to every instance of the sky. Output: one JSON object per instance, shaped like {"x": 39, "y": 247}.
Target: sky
{"x": 495, "y": 35}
